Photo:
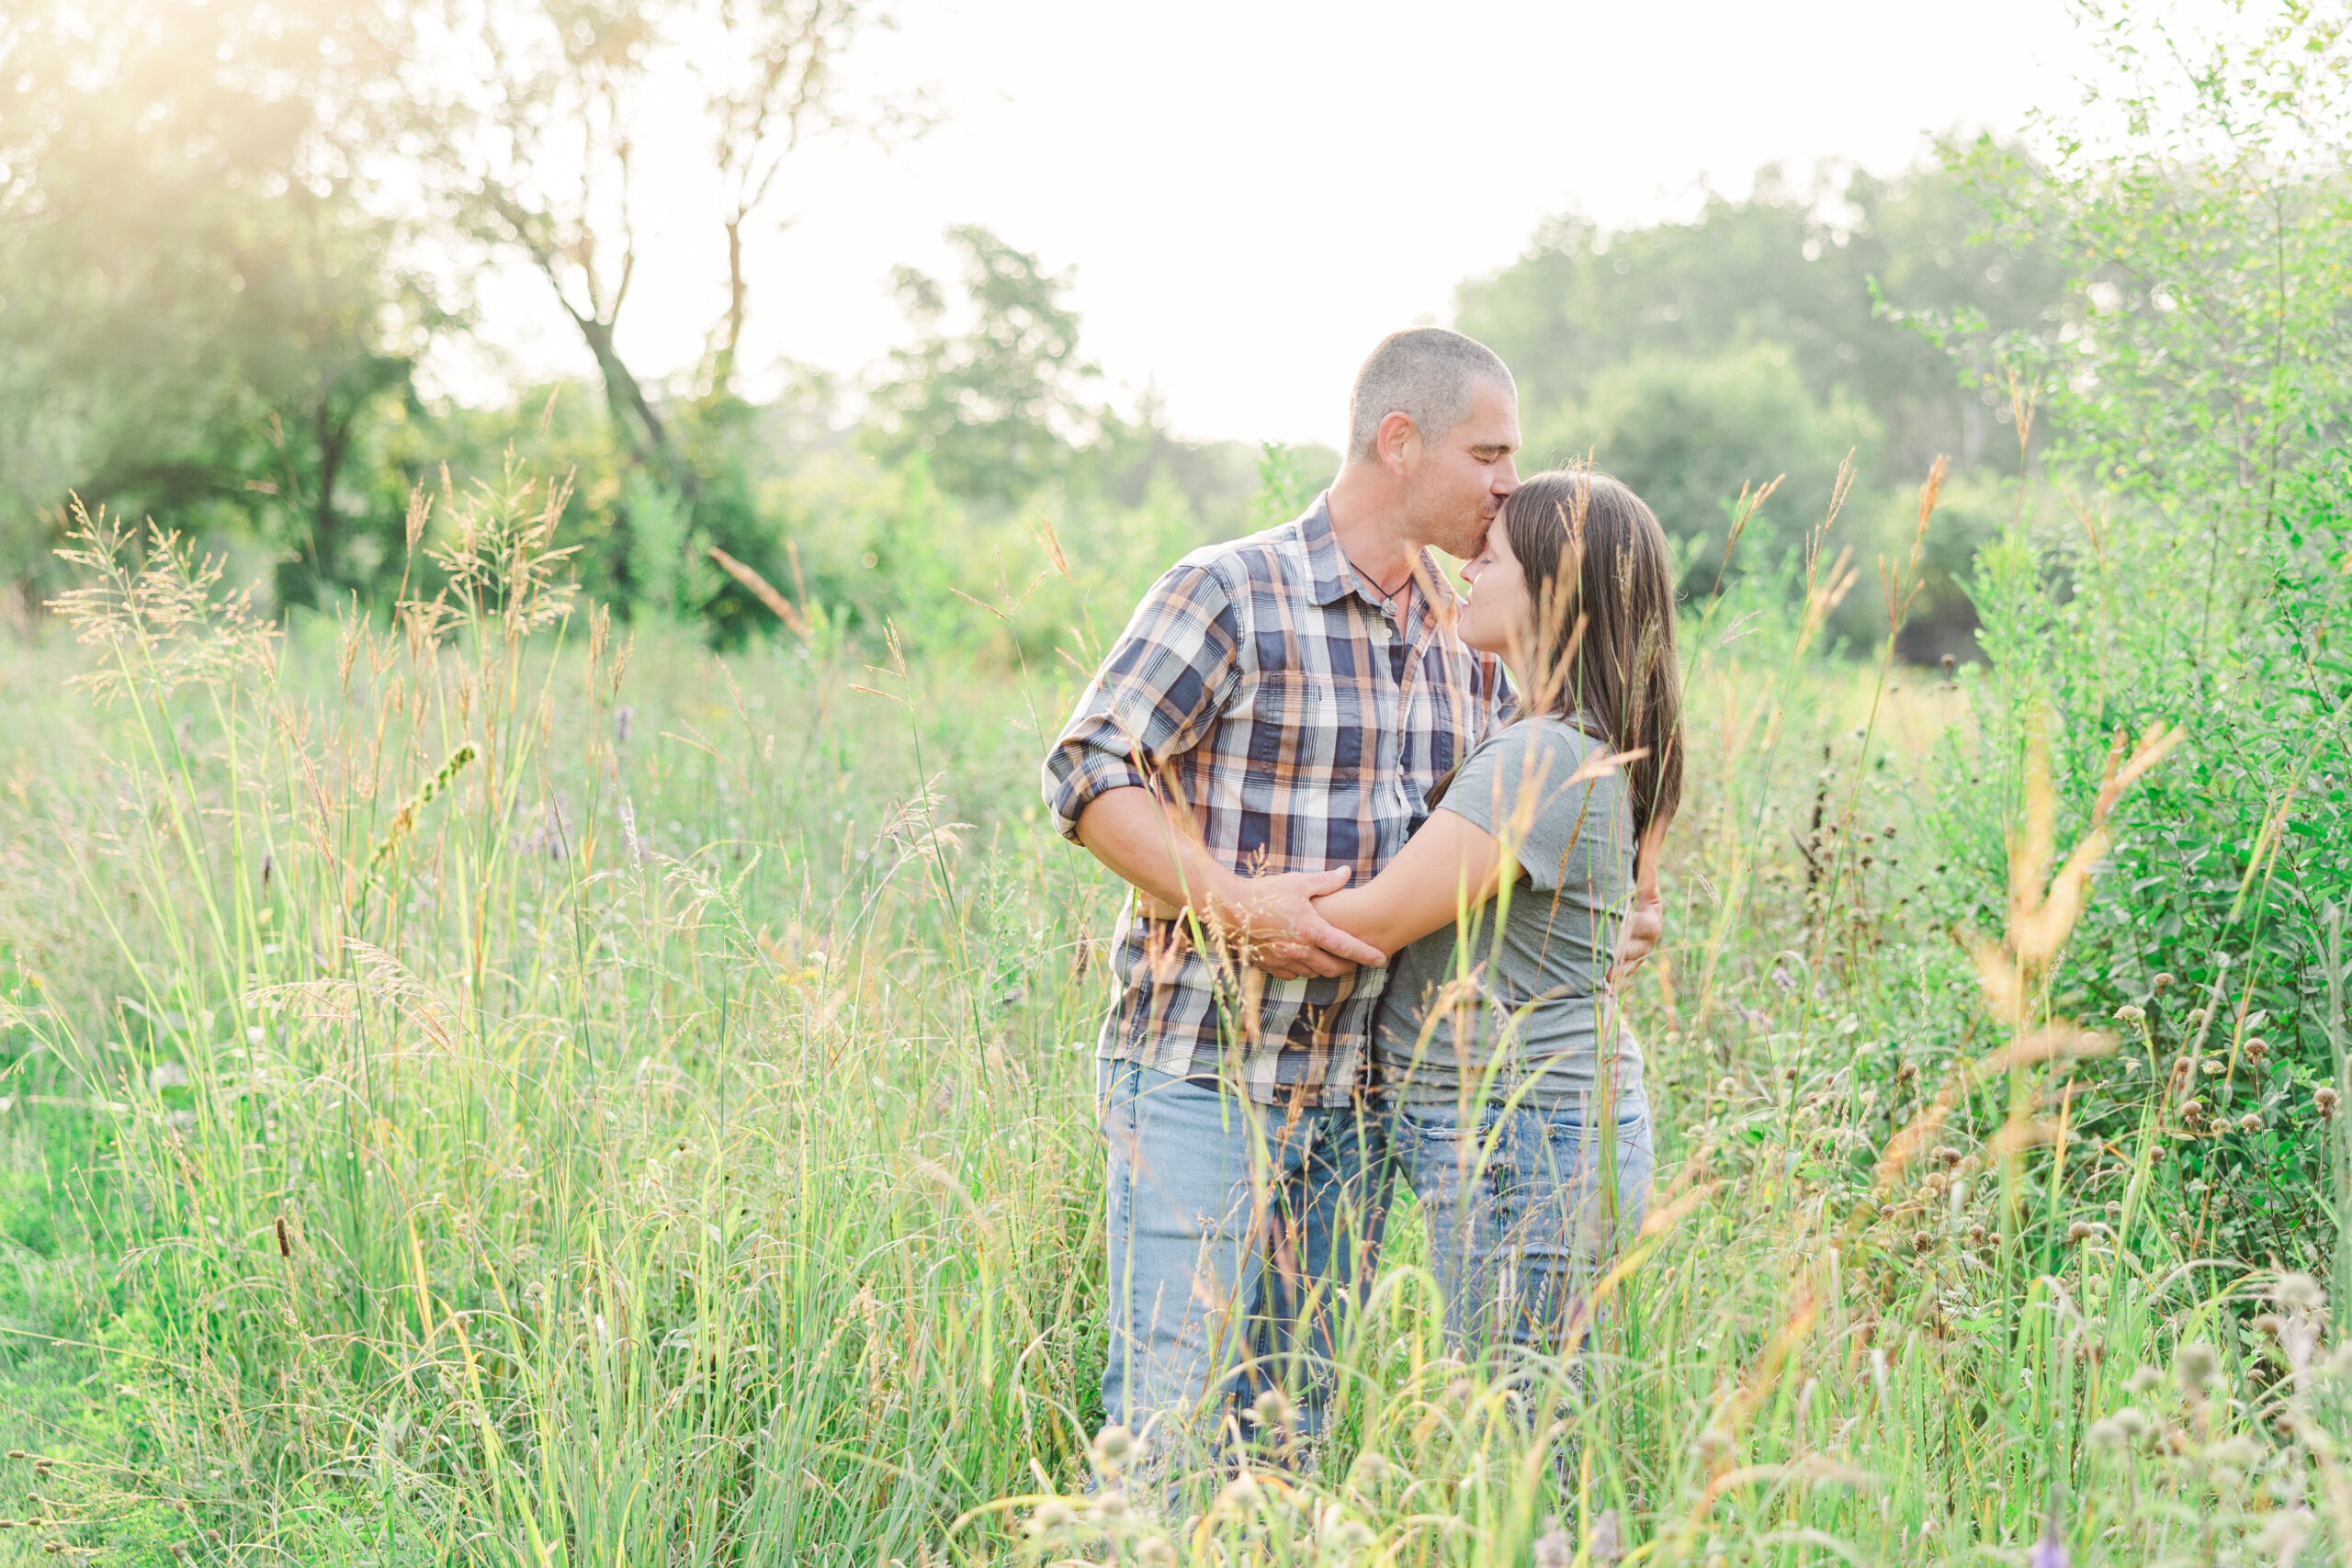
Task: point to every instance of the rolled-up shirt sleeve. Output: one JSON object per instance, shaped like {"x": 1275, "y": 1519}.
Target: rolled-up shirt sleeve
{"x": 1167, "y": 679}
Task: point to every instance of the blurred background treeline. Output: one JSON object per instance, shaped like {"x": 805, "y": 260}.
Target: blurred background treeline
{"x": 235, "y": 237}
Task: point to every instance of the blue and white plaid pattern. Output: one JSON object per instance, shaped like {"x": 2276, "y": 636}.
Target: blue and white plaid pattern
{"x": 1264, "y": 688}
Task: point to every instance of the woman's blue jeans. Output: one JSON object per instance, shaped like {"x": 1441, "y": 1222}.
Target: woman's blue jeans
{"x": 1526, "y": 1210}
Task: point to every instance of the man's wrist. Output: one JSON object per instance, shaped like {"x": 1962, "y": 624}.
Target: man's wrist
{"x": 1216, "y": 899}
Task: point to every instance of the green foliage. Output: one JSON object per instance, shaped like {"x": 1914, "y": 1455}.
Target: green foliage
{"x": 2198, "y": 575}
{"x": 197, "y": 319}
{"x": 1822, "y": 274}
{"x": 1690, "y": 435}
{"x": 996, "y": 403}
{"x": 1288, "y": 481}
{"x": 676, "y": 1150}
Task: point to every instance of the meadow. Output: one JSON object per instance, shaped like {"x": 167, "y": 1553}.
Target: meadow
{"x": 487, "y": 1084}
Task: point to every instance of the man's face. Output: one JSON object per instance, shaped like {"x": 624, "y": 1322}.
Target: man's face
{"x": 1455, "y": 485}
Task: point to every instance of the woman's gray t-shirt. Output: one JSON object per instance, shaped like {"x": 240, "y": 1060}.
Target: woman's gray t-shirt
{"x": 1526, "y": 1027}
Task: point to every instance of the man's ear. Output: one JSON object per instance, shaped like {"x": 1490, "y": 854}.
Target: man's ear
{"x": 1399, "y": 443}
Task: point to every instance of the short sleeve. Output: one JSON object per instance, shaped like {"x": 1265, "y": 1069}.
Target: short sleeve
{"x": 1522, "y": 786}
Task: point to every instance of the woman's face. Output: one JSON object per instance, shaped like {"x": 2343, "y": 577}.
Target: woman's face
{"x": 1499, "y": 615}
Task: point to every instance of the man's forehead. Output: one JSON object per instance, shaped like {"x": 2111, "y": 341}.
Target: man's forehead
{"x": 1493, "y": 424}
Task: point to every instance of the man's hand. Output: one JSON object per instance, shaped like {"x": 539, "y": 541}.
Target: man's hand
{"x": 1638, "y": 937}
{"x": 1274, "y": 920}
{"x": 1645, "y": 921}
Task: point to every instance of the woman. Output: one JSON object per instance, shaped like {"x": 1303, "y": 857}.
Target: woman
{"x": 1518, "y": 1109}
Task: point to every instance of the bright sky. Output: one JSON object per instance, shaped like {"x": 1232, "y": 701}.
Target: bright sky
{"x": 1250, "y": 192}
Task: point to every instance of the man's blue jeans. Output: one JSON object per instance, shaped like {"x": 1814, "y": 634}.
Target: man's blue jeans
{"x": 1525, "y": 1209}
{"x": 1239, "y": 1234}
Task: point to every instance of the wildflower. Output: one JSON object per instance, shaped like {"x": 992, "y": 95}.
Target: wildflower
{"x": 1156, "y": 1552}
{"x": 2078, "y": 1233}
{"x": 2239, "y": 1452}
{"x": 2211, "y": 1066}
{"x": 1554, "y": 1548}
{"x": 2255, "y": 1050}
{"x": 2283, "y": 1539}
{"x": 2132, "y": 1013}
{"x": 2195, "y": 1365}
{"x": 1339, "y": 1529}
{"x": 2298, "y": 1292}
{"x": 1948, "y": 1157}
{"x": 1272, "y": 1410}
{"x": 1370, "y": 1470}
{"x": 2142, "y": 1381}
{"x": 1607, "y": 1547}
{"x": 1053, "y": 1514}
{"x": 1110, "y": 1503}
{"x": 1114, "y": 1446}
{"x": 1925, "y": 1241}
{"x": 2106, "y": 1433}
{"x": 2250, "y": 1123}
{"x": 2162, "y": 983}
{"x": 1242, "y": 1495}
{"x": 2197, "y": 1017}
{"x": 2325, "y": 1100}
{"x": 2049, "y": 1551}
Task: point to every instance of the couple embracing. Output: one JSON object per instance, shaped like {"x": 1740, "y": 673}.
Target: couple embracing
{"x": 1391, "y": 848}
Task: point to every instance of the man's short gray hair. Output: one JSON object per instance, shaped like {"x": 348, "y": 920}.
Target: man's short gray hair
{"x": 1426, "y": 374}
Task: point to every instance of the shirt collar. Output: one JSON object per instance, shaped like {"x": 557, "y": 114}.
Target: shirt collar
{"x": 1335, "y": 577}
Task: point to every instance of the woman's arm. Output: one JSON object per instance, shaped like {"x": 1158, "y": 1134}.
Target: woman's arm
{"x": 1450, "y": 865}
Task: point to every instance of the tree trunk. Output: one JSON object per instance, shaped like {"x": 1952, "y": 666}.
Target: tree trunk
{"x": 722, "y": 368}
{"x": 648, "y": 436}
{"x": 335, "y": 439}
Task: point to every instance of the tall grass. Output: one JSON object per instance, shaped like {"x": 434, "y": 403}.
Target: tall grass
{"x": 552, "y": 1101}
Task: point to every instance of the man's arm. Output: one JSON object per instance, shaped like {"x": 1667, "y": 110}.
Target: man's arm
{"x": 1645, "y": 922}
{"x": 1157, "y": 853}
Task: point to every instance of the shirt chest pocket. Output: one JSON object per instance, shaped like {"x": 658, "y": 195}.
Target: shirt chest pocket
{"x": 1309, "y": 726}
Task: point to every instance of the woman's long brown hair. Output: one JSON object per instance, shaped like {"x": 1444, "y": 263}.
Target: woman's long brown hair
{"x": 1600, "y": 577}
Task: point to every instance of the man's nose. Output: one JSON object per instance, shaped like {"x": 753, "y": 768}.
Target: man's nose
{"x": 1506, "y": 476}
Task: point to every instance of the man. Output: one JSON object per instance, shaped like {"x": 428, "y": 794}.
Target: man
{"x": 1269, "y": 726}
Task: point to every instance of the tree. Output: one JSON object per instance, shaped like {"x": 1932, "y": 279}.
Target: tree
{"x": 197, "y": 316}
{"x": 997, "y": 407}
{"x": 770, "y": 90}
{"x": 1824, "y": 273}
{"x": 536, "y": 149}
{"x": 2202, "y": 354}
{"x": 1688, "y": 434}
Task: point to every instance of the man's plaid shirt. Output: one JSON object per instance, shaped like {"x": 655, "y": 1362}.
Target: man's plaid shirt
{"x": 1265, "y": 688}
